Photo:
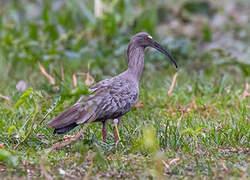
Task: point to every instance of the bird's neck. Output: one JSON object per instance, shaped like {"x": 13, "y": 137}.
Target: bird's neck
{"x": 136, "y": 61}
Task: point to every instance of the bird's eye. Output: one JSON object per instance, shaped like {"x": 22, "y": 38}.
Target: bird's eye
{"x": 147, "y": 37}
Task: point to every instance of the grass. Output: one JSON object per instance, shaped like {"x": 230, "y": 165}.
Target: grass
{"x": 201, "y": 131}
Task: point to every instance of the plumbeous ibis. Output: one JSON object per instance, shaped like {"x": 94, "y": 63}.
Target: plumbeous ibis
{"x": 112, "y": 97}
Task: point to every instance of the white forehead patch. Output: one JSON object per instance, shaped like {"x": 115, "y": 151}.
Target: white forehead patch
{"x": 150, "y": 37}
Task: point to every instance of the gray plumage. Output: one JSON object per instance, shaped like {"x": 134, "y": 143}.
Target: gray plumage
{"x": 112, "y": 97}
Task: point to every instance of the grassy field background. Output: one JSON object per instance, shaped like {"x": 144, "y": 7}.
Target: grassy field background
{"x": 199, "y": 131}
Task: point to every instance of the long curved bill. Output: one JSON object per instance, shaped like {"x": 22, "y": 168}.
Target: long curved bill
{"x": 157, "y": 46}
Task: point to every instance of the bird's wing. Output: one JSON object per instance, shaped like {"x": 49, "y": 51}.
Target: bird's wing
{"x": 68, "y": 116}
{"x": 111, "y": 101}
{"x": 99, "y": 85}
{"x": 82, "y": 110}
{"x": 112, "y": 98}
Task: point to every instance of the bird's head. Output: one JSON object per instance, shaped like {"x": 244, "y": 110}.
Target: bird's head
{"x": 144, "y": 40}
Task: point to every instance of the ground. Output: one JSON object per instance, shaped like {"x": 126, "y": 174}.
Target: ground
{"x": 51, "y": 52}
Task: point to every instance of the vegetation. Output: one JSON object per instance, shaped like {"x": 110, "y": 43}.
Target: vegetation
{"x": 200, "y": 129}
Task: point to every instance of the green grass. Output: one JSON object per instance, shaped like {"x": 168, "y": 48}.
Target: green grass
{"x": 202, "y": 131}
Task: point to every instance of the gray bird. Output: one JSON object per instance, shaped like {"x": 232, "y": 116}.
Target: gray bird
{"x": 112, "y": 98}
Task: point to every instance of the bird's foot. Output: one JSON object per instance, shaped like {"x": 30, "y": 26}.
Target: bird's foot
{"x": 116, "y": 135}
{"x": 116, "y": 132}
{"x": 104, "y": 135}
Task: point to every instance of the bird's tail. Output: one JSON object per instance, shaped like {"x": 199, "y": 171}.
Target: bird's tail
{"x": 71, "y": 117}
{"x": 65, "y": 129}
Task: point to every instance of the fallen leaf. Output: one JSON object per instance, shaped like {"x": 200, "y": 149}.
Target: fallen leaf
{"x": 69, "y": 139}
{"x": 89, "y": 79}
{"x": 174, "y": 161}
{"x": 49, "y": 77}
{"x": 2, "y": 146}
{"x": 224, "y": 167}
{"x": 245, "y": 92}
{"x": 44, "y": 171}
{"x": 74, "y": 80}
{"x": 166, "y": 164}
{"x": 139, "y": 104}
{"x": 4, "y": 97}
{"x": 25, "y": 163}
{"x": 172, "y": 84}
{"x": 98, "y": 8}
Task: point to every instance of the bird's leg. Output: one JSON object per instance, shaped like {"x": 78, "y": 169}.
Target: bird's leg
{"x": 116, "y": 132}
{"x": 104, "y": 137}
